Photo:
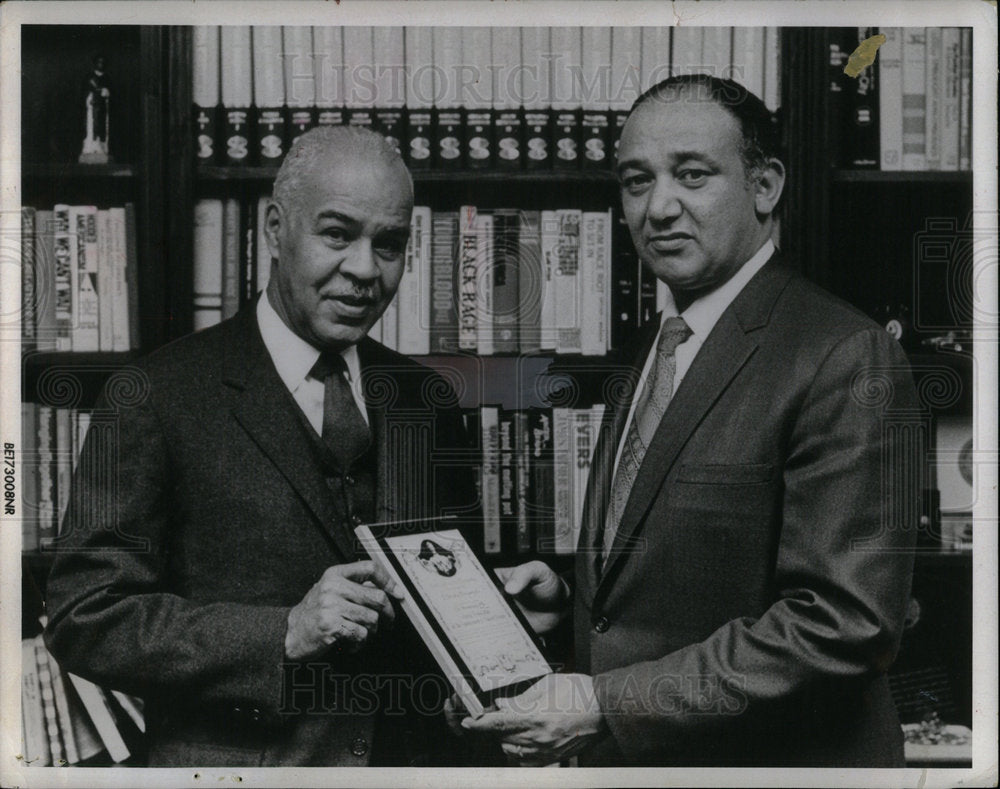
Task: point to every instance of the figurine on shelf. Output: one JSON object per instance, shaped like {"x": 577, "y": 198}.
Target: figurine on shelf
{"x": 98, "y": 103}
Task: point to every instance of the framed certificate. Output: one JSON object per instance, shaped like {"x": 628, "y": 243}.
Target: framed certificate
{"x": 480, "y": 640}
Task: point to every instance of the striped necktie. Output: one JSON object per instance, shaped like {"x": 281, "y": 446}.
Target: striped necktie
{"x": 649, "y": 409}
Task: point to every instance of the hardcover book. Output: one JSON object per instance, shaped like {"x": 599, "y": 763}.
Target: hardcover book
{"x": 481, "y": 641}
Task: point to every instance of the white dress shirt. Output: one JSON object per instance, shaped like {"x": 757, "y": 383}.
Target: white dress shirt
{"x": 293, "y": 358}
{"x": 700, "y": 316}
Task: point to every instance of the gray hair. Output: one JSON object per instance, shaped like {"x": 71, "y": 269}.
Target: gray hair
{"x": 309, "y": 151}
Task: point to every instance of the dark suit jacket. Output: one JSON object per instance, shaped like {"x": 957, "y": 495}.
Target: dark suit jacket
{"x": 200, "y": 516}
{"x": 755, "y": 594}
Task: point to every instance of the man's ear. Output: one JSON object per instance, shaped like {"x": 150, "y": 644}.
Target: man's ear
{"x": 768, "y": 186}
{"x": 273, "y": 220}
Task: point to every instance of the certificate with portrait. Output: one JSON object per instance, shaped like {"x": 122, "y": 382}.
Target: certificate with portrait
{"x": 479, "y": 639}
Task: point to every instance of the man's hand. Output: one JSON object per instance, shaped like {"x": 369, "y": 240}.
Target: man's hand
{"x": 542, "y": 595}
{"x": 344, "y": 608}
{"x": 554, "y": 719}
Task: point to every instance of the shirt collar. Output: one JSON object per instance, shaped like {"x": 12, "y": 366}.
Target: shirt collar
{"x": 293, "y": 357}
{"x": 703, "y": 313}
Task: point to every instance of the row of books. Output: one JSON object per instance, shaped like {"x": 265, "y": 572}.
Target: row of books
{"x": 499, "y": 281}
{"x": 68, "y": 720}
{"x": 535, "y": 465}
{"x": 53, "y": 438}
{"x": 78, "y": 278}
{"x": 911, "y": 110}
{"x": 454, "y": 97}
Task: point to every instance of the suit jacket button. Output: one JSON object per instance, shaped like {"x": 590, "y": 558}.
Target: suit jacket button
{"x": 356, "y": 520}
{"x": 359, "y": 747}
{"x": 602, "y": 625}
{"x": 349, "y": 479}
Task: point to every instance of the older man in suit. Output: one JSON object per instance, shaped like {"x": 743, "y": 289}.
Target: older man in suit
{"x": 208, "y": 562}
{"x": 745, "y": 556}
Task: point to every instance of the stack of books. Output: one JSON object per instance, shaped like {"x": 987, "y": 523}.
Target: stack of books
{"x": 55, "y": 436}
{"x": 504, "y": 98}
{"x": 68, "y": 720}
{"x": 534, "y": 470}
{"x": 79, "y": 283}
{"x": 912, "y": 109}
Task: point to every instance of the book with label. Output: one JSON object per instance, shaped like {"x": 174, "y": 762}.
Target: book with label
{"x": 536, "y": 88}
{"x": 489, "y": 425}
{"x": 444, "y": 318}
{"x": 300, "y": 80}
{"x": 468, "y": 305}
{"x": 914, "y": 99}
{"x": 566, "y": 281}
{"x": 269, "y": 94}
{"x": 236, "y": 93}
{"x": 414, "y": 293}
{"x": 890, "y": 108}
{"x": 530, "y": 283}
{"x": 506, "y": 265}
{"x": 205, "y": 91}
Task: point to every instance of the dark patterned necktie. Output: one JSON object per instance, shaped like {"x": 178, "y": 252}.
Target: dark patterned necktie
{"x": 649, "y": 409}
{"x": 345, "y": 431}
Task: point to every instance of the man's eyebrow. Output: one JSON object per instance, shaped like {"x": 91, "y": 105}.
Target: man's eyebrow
{"x": 332, "y": 214}
{"x": 676, "y": 157}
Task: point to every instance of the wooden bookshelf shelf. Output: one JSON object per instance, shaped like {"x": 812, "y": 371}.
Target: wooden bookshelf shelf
{"x": 210, "y": 174}
{"x": 902, "y": 176}
{"x": 74, "y": 171}
{"x": 78, "y": 359}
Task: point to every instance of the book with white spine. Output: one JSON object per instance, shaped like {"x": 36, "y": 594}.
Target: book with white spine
{"x": 772, "y": 68}
{"x": 207, "y": 289}
{"x": 414, "y": 293}
{"x": 890, "y": 105}
{"x": 748, "y": 59}
{"x": 686, "y": 52}
{"x": 655, "y": 59}
{"x": 328, "y": 73}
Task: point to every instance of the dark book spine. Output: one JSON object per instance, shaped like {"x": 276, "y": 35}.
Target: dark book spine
{"x": 479, "y": 139}
{"x": 248, "y": 252}
{"x": 331, "y": 116}
{"x": 390, "y": 122}
{"x": 132, "y": 277}
{"x": 419, "y": 128}
{"x": 537, "y": 139}
{"x": 206, "y": 134}
{"x": 541, "y": 502}
{"x": 861, "y": 133}
{"x": 300, "y": 120}
{"x": 647, "y": 297}
{"x": 444, "y": 318}
{"x": 508, "y": 483}
{"x": 508, "y": 132}
{"x": 596, "y": 135}
{"x": 624, "y": 299}
{"x": 566, "y": 126}
{"x": 236, "y": 133}
{"x": 505, "y": 273}
{"x": 272, "y": 138}
{"x": 618, "y": 118}
{"x": 838, "y": 86}
{"x": 449, "y": 138}
{"x": 363, "y": 116}
{"x": 28, "y": 297}
{"x": 522, "y": 477}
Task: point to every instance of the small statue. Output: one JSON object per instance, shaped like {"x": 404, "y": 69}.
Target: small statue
{"x": 98, "y": 103}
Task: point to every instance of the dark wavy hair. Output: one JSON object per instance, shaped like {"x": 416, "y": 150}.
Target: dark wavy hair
{"x": 758, "y": 126}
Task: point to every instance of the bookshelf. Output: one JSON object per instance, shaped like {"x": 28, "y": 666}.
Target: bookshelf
{"x": 830, "y": 222}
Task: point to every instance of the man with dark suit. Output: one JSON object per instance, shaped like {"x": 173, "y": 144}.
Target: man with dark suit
{"x": 208, "y": 562}
{"x": 745, "y": 553}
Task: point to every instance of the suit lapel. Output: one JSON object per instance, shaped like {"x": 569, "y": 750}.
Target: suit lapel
{"x": 595, "y": 506}
{"x": 728, "y": 348}
{"x": 266, "y": 410}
